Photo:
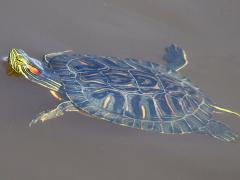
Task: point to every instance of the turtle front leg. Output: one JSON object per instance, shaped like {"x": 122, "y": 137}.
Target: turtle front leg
{"x": 54, "y": 113}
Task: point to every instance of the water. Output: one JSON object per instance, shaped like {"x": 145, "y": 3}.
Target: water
{"x": 78, "y": 147}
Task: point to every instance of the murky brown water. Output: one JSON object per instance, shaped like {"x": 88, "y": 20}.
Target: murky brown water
{"x": 78, "y": 147}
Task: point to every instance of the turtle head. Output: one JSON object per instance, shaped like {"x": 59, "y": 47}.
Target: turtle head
{"x": 19, "y": 63}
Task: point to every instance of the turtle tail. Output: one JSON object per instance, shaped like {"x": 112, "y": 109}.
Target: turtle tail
{"x": 221, "y": 109}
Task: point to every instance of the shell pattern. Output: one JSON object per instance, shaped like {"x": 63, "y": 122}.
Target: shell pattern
{"x": 133, "y": 93}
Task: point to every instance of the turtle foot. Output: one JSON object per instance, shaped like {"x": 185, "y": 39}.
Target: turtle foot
{"x": 54, "y": 113}
{"x": 175, "y": 57}
{"x": 220, "y": 131}
{"x": 44, "y": 116}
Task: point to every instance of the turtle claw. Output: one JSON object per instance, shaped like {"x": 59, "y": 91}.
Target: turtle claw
{"x": 40, "y": 118}
{"x": 33, "y": 122}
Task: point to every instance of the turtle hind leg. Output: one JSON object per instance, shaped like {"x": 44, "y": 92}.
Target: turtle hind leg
{"x": 220, "y": 131}
{"x": 175, "y": 57}
{"x": 53, "y": 113}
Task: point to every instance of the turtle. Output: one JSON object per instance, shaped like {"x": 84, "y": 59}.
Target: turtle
{"x": 125, "y": 91}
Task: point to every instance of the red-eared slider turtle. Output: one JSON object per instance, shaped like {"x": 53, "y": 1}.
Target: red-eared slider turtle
{"x": 129, "y": 92}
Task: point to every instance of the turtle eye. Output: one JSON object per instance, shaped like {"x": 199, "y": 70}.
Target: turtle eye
{"x": 19, "y": 60}
{"x": 34, "y": 70}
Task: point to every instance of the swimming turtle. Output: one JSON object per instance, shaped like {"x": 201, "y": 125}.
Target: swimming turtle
{"x": 129, "y": 92}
